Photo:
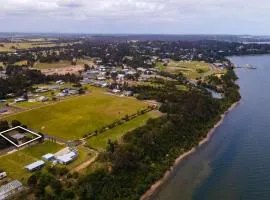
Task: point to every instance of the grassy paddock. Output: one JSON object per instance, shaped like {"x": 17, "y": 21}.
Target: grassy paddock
{"x": 14, "y": 163}
{"x": 191, "y": 69}
{"x": 12, "y": 46}
{"x": 100, "y": 142}
{"x": 75, "y": 117}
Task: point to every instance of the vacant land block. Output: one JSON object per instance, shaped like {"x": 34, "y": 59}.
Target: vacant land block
{"x": 75, "y": 117}
{"x": 12, "y": 46}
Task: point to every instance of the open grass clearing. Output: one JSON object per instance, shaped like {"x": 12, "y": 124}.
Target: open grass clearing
{"x": 191, "y": 69}
{"x": 12, "y": 46}
{"x": 73, "y": 118}
{"x": 14, "y": 163}
{"x": 100, "y": 142}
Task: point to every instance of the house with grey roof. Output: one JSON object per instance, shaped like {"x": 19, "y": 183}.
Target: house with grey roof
{"x": 10, "y": 189}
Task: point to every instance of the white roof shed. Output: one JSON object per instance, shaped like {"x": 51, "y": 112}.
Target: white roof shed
{"x": 35, "y": 165}
{"x": 48, "y": 156}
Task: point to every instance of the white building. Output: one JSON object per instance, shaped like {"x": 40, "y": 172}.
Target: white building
{"x": 35, "y": 166}
{"x": 67, "y": 158}
{"x": 20, "y": 99}
{"x": 48, "y": 157}
{"x": 13, "y": 187}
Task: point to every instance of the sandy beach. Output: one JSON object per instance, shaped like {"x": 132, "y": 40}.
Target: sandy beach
{"x": 155, "y": 187}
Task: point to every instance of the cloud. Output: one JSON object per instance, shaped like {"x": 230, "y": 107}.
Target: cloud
{"x": 161, "y": 16}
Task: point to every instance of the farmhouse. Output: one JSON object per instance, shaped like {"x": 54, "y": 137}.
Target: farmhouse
{"x": 35, "y": 166}
{"x": 67, "y": 158}
{"x": 6, "y": 191}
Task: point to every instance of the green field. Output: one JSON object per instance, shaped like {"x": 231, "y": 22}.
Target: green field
{"x": 100, "y": 142}
{"x": 191, "y": 69}
{"x": 77, "y": 116}
{"x": 14, "y": 163}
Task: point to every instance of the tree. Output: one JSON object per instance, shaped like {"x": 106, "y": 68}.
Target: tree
{"x": 32, "y": 180}
{"x": 111, "y": 146}
{"x": 86, "y": 67}
{"x": 4, "y": 125}
{"x": 68, "y": 194}
{"x": 126, "y": 118}
{"x": 15, "y": 123}
{"x": 81, "y": 91}
{"x": 125, "y": 157}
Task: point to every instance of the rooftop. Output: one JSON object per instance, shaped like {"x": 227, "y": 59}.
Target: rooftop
{"x": 18, "y": 136}
{"x": 35, "y": 165}
{"x": 67, "y": 157}
{"x": 9, "y": 187}
{"x": 48, "y": 156}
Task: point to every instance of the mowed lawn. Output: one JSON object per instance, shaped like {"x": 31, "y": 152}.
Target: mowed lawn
{"x": 190, "y": 69}
{"x": 14, "y": 163}
{"x": 100, "y": 142}
{"x": 75, "y": 117}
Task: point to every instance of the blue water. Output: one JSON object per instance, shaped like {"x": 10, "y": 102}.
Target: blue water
{"x": 235, "y": 164}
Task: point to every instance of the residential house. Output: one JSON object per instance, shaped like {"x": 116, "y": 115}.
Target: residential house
{"x": 67, "y": 158}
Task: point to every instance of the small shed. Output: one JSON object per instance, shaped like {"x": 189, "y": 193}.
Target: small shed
{"x": 18, "y": 136}
{"x": 48, "y": 157}
{"x": 35, "y": 166}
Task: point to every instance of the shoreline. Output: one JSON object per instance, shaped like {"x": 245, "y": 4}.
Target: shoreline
{"x": 148, "y": 195}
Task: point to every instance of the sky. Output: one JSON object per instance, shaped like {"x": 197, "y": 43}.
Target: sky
{"x": 136, "y": 16}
